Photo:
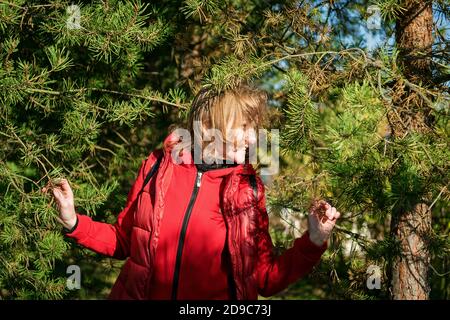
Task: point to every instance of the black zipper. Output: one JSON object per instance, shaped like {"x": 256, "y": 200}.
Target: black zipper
{"x": 187, "y": 215}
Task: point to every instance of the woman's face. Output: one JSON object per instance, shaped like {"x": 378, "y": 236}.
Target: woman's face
{"x": 240, "y": 139}
{"x": 230, "y": 149}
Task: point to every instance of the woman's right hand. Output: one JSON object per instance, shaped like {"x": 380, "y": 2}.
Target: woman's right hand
{"x": 62, "y": 192}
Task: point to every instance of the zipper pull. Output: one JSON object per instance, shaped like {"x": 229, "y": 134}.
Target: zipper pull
{"x": 199, "y": 178}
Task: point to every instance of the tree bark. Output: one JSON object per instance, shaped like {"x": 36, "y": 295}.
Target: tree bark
{"x": 410, "y": 269}
{"x": 413, "y": 34}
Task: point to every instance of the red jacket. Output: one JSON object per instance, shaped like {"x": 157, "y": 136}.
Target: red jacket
{"x": 195, "y": 236}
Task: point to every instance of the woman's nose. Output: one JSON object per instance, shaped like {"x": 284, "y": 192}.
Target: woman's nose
{"x": 250, "y": 137}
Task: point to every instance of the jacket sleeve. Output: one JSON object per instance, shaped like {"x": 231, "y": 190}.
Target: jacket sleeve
{"x": 275, "y": 273}
{"x": 112, "y": 240}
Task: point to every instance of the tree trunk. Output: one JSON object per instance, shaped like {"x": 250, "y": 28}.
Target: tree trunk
{"x": 413, "y": 34}
{"x": 410, "y": 269}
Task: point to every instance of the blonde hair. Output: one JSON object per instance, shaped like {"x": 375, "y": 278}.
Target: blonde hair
{"x": 229, "y": 109}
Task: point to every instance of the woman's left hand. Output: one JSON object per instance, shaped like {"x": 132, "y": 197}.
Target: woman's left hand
{"x": 321, "y": 221}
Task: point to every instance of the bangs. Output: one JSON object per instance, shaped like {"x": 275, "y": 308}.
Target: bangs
{"x": 229, "y": 110}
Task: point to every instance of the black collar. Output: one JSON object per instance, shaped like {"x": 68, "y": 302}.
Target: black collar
{"x": 206, "y": 167}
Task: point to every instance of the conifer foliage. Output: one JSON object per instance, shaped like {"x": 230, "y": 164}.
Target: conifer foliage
{"x": 88, "y": 89}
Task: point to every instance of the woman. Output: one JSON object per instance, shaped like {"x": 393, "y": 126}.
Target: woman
{"x": 200, "y": 230}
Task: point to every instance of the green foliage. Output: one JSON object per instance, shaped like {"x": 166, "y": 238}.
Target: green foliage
{"x": 69, "y": 107}
{"x": 231, "y": 71}
{"x": 301, "y": 114}
{"x": 89, "y": 103}
{"x": 390, "y": 9}
{"x": 200, "y": 8}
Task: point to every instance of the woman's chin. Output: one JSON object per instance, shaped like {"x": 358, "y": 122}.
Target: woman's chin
{"x": 238, "y": 157}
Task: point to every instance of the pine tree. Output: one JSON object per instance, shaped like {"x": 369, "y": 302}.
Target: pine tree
{"x": 71, "y": 102}
{"x": 411, "y": 225}
{"x": 87, "y": 94}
